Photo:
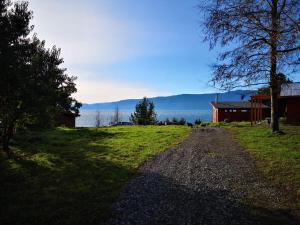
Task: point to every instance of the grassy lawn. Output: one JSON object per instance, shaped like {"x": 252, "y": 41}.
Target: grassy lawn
{"x": 276, "y": 156}
{"x": 72, "y": 176}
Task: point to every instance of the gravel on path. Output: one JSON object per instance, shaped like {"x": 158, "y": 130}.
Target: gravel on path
{"x": 209, "y": 180}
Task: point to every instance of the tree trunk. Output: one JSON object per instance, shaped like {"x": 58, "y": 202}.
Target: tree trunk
{"x": 6, "y": 136}
{"x": 5, "y": 146}
{"x": 274, "y": 108}
{"x": 273, "y": 69}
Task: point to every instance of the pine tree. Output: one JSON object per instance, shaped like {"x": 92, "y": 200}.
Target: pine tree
{"x": 144, "y": 113}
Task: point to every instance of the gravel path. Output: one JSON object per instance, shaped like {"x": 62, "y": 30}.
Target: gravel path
{"x": 207, "y": 180}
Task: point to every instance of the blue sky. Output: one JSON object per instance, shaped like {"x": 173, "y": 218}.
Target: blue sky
{"x": 127, "y": 48}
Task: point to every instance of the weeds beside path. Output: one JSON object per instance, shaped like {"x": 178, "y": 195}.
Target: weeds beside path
{"x": 208, "y": 179}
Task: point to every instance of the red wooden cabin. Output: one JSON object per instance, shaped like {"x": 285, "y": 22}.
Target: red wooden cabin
{"x": 255, "y": 110}
{"x": 289, "y": 102}
{"x": 235, "y": 111}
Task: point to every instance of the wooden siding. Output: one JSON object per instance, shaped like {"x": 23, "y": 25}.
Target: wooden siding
{"x": 219, "y": 115}
{"x": 293, "y": 110}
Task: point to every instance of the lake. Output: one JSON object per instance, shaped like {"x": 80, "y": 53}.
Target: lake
{"x": 88, "y": 117}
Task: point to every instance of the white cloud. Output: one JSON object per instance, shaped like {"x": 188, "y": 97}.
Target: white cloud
{"x": 93, "y": 87}
{"x": 90, "y": 38}
{"x": 107, "y": 91}
{"x": 86, "y": 35}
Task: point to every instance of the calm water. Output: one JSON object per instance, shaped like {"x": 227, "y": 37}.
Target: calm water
{"x": 88, "y": 118}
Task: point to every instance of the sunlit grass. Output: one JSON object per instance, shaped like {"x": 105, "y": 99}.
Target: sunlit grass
{"x": 277, "y": 156}
{"x": 72, "y": 176}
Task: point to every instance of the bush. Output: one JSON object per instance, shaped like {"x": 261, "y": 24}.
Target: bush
{"x": 174, "y": 121}
{"x": 182, "y": 121}
{"x": 198, "y": 121}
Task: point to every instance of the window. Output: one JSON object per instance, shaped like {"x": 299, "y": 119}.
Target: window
{"x": 234, "y": 110}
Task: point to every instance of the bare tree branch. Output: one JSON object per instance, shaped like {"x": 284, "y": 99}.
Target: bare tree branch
{"x": 289, "y": 50}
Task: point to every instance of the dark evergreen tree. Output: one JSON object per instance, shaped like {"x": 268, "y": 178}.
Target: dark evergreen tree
{"x": 33, "y": 87}
{"x": 198, "y": 121}
{"x": 182, "y": 121}
{"x": 144, "y": 113}
{"x": 167, "y": 122}
{"x": 174, "y": 120}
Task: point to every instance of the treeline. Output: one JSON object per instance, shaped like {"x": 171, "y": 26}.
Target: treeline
{"x": 181, "y": 121}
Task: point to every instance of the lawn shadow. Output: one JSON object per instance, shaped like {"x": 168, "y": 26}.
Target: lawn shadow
{"x": 73, "y": 186}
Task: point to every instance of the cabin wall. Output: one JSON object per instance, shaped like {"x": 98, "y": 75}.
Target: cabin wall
{"x": 67, "y": 121}
{"x": 238, "y": 114}
{"x": 215, "y": 115}
{"x": 293, "y": 110}
{"x": 234, "y": 115}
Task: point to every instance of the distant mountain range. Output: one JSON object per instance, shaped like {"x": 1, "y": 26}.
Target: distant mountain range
{"x": 175, "y": 102}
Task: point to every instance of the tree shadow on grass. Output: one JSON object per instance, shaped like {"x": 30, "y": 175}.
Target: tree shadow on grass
{"x": 152, "y": 199}
{"x": 66, "y": 180}
{"x": 63, "y": 179}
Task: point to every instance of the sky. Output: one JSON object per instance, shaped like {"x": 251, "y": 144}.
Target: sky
{"x": 122, "y": 49}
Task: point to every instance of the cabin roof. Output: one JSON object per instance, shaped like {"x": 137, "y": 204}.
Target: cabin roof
{"x": 292, "y": 89}
{"x": 234, "y": 105}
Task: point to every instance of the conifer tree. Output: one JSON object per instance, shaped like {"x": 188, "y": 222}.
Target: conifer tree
{"x": 144, "y": 113}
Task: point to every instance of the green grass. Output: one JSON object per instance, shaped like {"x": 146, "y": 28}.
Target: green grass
{"x": 277, "y": 156}
{"x": 72, "y": 176}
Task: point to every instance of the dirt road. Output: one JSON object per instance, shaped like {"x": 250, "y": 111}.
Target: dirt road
{"x": 207, "y": 180}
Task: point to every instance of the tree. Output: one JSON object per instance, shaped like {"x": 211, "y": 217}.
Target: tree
{"x": 261, "y": 38}
{"x": 50, "y": 88}
{"x": 98, "y": 119}
{"x": 33, "y": 87}
{"x": 182, "y": 121}
{"x": 117, "y": 117}
{"x": 281, "y": 79}
{"x": 144, "y": 113}
{"x": 198, "y": 121}
{"x": 174, "y": 120}
{"x": 167, "y": 121}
